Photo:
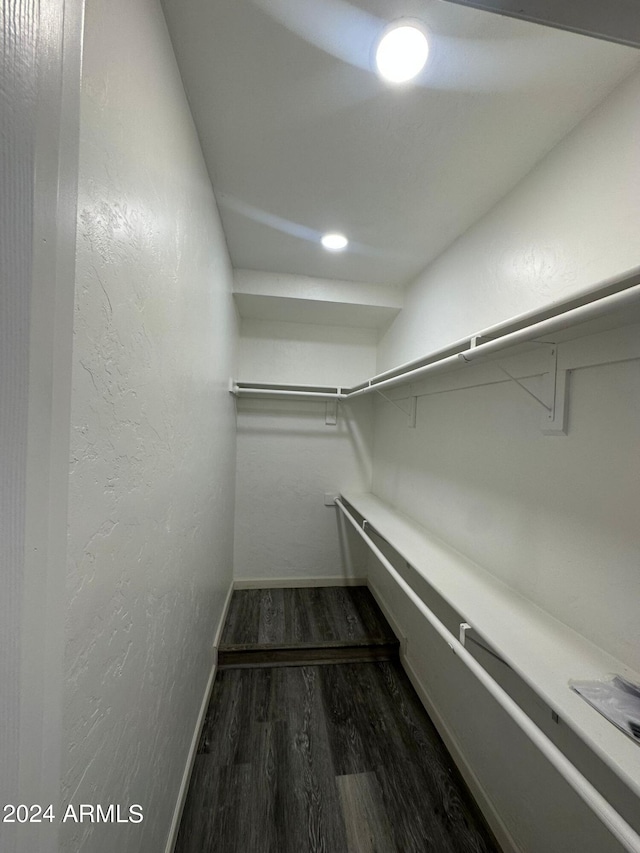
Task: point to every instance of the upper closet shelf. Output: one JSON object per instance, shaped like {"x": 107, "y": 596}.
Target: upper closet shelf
{"x": 302, "y": 299}
{"x": 545, "y": 652}
{"x": 612, "y": 305}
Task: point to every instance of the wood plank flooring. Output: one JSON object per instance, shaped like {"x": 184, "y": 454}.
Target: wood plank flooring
{"x": 305, "y": 625}
{"x": 337, "y": 758}
{"x": 325, "y": 759}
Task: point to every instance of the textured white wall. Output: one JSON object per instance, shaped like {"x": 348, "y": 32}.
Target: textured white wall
{"x": 153, "y": 445}
{"x": 288, "y": 457}
{"x": 302, "y": 353}
{"x": 555, "y": 517}
{"x": 569, "y": 224}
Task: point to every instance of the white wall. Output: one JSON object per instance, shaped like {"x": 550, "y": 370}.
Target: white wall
{"x": 288, "y": 458}
{"x": 555, "y": 517}
{"x": 570, "y": 223}
{"x": 305, "y": 353}
{"x": 152, "y": 445}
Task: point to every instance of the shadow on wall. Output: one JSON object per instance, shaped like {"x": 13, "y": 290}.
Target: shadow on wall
{"x": 306, "y": 420}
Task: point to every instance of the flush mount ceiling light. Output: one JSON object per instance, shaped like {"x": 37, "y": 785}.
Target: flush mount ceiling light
{"x": 402, "y": 53}
{"x": 334, "y": 242}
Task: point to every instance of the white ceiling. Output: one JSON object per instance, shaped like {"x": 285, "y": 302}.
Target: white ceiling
{"x": 301, "y": 137}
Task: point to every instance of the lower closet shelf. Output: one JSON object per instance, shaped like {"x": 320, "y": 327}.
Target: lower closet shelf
{"x": 543, "y": 651}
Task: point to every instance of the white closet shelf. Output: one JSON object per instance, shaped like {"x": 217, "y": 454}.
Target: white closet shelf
{"x": 614, "y": 303}
{"x": 544, "y": 652}
{"x": 283, "y": 391}
{"x": 314, "y": 311}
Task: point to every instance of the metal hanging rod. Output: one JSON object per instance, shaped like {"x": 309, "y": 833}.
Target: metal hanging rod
{"x": 310, "y": 392}
{"x": 498, "y": 339}
{"x": 605, "y": 288}
{"x": 309, "y": 395}
{"x": 285, "y": 386}
{"x": 614, "y": 294}
{"x": 604, "y": 811}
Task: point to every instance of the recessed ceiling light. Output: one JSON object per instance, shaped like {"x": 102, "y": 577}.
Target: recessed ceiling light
{"x": 334, "y": 242}
{"x": 402, "y": 53}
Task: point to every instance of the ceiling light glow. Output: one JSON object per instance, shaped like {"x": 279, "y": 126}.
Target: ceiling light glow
{"x": 402, "y": 53}
{"x": 334, "y": 242}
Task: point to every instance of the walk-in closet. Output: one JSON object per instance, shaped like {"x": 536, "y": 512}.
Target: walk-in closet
{"x": 320, "y": 426}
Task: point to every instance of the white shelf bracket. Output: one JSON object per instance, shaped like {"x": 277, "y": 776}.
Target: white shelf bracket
{"x": 411, "y": 412}
{"x": 464, "y": 627}
{"x": 555, "y": 423}
{"x": 526, "y": 390}
{"x": 331, "y": 413}
{"x": 556, "y": 405}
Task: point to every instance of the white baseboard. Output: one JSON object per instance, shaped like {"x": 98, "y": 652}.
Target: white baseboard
{"x": 191, "y": 757}
{"x": 223, "y": 617}
{"x": 496, "y": 824}
{"x": 293, "y": 583}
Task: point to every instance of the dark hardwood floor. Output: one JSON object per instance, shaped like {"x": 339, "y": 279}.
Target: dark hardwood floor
{"x": 338, "y": 758}
{"x": 305, "y": 625}
{"x": 325, "y": 759}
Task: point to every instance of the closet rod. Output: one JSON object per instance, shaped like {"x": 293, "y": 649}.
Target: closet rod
{"x": 286, "y": 386}
{"x": 444, "y": 364}
{"x": 604, "y": 288}
{"x": 575, "y": 316}
{"x": 605, "y": 812}
{"x": 581, "y": 314}
{"x": 269, "y": 392}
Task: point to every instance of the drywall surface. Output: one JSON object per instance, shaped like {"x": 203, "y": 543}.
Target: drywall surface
{"x": 302, "y": 353}
{"x": 152, "y": 445}
{"x": 571, "y": 223}
{"x": 554, "y": 517}
{"x": 288, "y": 457}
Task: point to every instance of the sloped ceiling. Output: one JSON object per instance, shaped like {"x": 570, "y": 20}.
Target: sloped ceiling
{"x": 301, "y": 137}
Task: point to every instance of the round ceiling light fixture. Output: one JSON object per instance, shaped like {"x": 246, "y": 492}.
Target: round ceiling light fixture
{"x": 334, "y": 242}
{"x": 402, "y": 52}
